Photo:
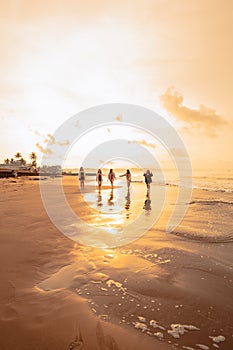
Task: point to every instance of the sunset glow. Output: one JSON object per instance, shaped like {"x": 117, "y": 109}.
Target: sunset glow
{"x": 59, "y": 60}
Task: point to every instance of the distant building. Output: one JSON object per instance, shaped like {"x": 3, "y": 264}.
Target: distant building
{"x": 16, "y": 167}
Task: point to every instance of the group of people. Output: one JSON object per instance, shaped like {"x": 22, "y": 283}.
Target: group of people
{"x": 112, "y": 177}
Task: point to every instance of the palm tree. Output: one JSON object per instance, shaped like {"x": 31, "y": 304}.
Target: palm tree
{"x": 18, "y": 155}
{"x": 33, "y": 158}
{"x": 22, "y": 161}
{"x": 7, "y": 161}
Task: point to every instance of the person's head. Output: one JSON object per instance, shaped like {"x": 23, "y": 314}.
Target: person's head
{"x": 128, "y": 172}
{"x": 111, "y": 171}
{"x": 81, "y": 168}
{"x": 148, "y": 171}
{"x": 99, "y": 170}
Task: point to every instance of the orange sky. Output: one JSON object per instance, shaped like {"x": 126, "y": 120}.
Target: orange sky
{"x": 174, "y": 57}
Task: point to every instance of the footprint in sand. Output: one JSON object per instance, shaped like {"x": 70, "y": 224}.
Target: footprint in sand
{"x": 77, "y": 344}
{"x": 105, "y": 342}
{"x": 9, "y": 313}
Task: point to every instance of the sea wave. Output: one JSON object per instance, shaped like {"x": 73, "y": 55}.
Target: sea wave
{"x": 211, "y": 202}
{"x": 204, "y": 188}
{"x": 224, "y": 238}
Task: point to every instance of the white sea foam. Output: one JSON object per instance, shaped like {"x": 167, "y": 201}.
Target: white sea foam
{"x": 142, "y": 319}
{"x": 159, "y": 335}
{"x": 218, "y": 339}
{"x": 154, "y": 324}
{"x": 178, "y": 329}
{"x": 112, "y": 282}
{"x": 142, "y": 326}
{"x": 202, "y": 346}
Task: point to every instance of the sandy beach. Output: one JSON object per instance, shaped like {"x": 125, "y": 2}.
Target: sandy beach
{"x": 161, "y": 291}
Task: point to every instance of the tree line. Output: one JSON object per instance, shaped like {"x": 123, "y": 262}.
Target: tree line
{"x": 18, "y": 157}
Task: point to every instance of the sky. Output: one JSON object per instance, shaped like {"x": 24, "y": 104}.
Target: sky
{"x": 175, "y": 57}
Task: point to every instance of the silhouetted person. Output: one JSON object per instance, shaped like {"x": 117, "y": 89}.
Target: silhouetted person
{"x": 111, "y": 176}
{"x": 148, "y": 178}
{"x": 128, "y": 177}
{"x": 99, "y": 178}
{"x": 81, "y": 177}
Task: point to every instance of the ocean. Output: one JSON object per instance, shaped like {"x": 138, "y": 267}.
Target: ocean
{"x": 203, "y": 211}
{"x": 202, "y": 179}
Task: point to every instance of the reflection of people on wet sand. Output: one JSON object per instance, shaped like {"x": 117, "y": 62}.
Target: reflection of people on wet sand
{"x": 99, "y": 199}
{"x": 81, "y": 177}
{"x": 147, "y": 204}
{"x": 148, "y": 178}
{"x": 127, "y": 202}
{"x": 99, "y": 178}
{"x": 128, "y": 177}
{"x": 110, "y": 202}
{"x": 111, "y": 176}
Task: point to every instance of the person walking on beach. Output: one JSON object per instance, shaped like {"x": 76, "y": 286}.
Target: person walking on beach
{"x": 128, "y": 177}
{"x": 99, "y": 178}
{"x": 148, "y": 178}
{"x": 81, "y": 177}
{"x": 111, "y": 177}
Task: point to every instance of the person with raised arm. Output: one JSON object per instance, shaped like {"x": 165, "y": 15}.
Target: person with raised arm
{"x": 148, "y": 178}
{"x": 128, "y": 177}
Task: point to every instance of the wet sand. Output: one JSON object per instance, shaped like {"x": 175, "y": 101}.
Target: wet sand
{"x": 161, "y": 291}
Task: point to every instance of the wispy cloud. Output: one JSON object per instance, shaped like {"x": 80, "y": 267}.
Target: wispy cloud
{"x": 36, "y": 132}
{"x": 144, "y": 143}
{"x": 109, "y": 162}
{"x": 119, "y": 118}
{"x": 49, "y": 140}
{"x": 63, "y": 143}
{"x": 43, "y": 150}
{"x": 77, "y": 124}
{"x": 204, "y": 119}
{"x": 52, "y": 141}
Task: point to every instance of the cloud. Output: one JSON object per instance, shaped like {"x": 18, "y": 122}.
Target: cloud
{"x": 204, "y": 119}
{"x": 144, "y": 143}
{"x": 43, "y": 150}
{"x": 50, "y": 139}
{"x": 77, "y": 124}
{"x": 108, "y": 163}
{"x": 37, "y": 133}
{"x": 63, "y": 143}
{"x": 178, "y": 152}
{"x": 119, "y": 118}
